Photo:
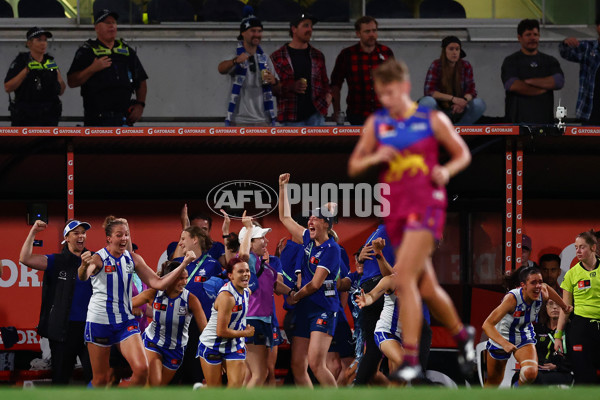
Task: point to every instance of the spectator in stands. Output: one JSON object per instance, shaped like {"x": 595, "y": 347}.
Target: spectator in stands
{"x": 305, "y": 94}
{"x": 354, "y": 65}
{"x": 550, "y": 267}
{"x": 449, "y": 85}
{"x": 65, "y": 299}
{"x": 108, "y": 71}
{"x": 585, "y": 52}
{"x": 529, "y": 79}
{"x": 581, "y": 288}
{"x": 253, "y": 78}
{"x": 35, "y": 78}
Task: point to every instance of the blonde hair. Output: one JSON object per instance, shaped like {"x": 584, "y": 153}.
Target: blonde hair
{"x": 390, "y": 71}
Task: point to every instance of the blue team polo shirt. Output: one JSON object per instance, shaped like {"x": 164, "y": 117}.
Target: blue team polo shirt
{"x": 327, "y": 256}
{"x": 81, "y": 294}
{"x": 208, "y": 268}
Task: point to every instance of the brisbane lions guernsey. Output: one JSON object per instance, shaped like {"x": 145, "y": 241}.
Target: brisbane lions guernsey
{"x": 409, "y": 174}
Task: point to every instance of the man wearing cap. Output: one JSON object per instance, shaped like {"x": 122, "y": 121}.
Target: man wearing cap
{"x": 65, "y": 299}
{"x": 450, "y": 87}
{"x": 108, "y": 71}
{"x": 530, "y": 78}
{"x": 354, "y": 64}
{"x": 253, "y": 79}
{"x": 35, "y": 78}
{"x": 305, "y": 94}
{"x": 526, "y": 252}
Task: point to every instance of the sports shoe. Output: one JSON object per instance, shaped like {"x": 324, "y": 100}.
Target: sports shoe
{"x": 466, "y": 353}
{"x": 407, "y": 374}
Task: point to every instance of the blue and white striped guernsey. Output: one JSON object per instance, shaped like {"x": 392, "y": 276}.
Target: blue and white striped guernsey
{"x": 388, "y": 320}
{"x": 517, "y": 327}
{"x": 111, "y": 290}
{"x": 171, "y": 319}
{"x": 237, "y": 322}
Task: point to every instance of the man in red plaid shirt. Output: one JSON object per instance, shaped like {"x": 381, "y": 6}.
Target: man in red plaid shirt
{"x": 354, "y": 64}
{"x": 305, "y": 94}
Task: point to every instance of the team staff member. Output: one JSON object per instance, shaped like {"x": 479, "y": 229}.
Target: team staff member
{"x": 37, "y": 83}
{"x": 108, "y": 71}
{"x": 65, "y": 299}
{"x": 581, "y": 288}
{"x": 318, "y": 300}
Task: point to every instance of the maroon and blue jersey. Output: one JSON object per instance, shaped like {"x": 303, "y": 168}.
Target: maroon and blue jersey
{"x": 409, "y": 175}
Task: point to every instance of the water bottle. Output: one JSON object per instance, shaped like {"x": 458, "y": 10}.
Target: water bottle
{"x": 341, "y": 118}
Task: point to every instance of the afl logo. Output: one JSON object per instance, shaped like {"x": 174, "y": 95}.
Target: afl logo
{"x": 256, "y": 198}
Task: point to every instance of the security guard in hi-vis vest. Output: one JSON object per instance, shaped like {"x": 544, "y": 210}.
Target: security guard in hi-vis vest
{"x": 35, "y": 79}
{"x": 108, "y": 71}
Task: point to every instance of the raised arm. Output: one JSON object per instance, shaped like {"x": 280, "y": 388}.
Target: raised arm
{"x": 35, "y": 261}
{"x": 145, "y": 297}
{"x": 386, "y": 284}
{"x": 149, "y": 277}
{"x": 245, "y": 243}
{"x": 285, "y": 212}
{"x": 384, "y": 266}
{"x": 550, "y": 293}
{"x": 90, "y": 265}
{"x": 508, "y": 305}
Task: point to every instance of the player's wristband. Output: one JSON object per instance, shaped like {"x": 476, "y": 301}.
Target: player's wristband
{"x": 558, "y": 334}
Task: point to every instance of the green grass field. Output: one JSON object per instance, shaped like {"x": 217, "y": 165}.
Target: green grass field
{"x": 291, "y": 393}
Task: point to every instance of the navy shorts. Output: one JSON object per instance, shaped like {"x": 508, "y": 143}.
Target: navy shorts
{"x": 381, "y": 337}
{"x": 263, "y": 333}
{"x": 342, "y": 342}
{"x": 171, "y": 358}
{"x": 215, "y": 357}
{"x": 310, "y": 317}
{"x": 498, "y": 353}
{"x": 105, "y": 335}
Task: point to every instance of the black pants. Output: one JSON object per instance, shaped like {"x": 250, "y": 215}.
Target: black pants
{"x": 584, "y": 351}
{"x": 356, "y": 119}
{"x": 64, "y": 355}
{"x": 370, "y": 315}
{"x": 190, "y": 370}
{"x": 107, "y": 118}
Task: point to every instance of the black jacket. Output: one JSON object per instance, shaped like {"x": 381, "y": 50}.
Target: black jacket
{"x": 57, "y": 295}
